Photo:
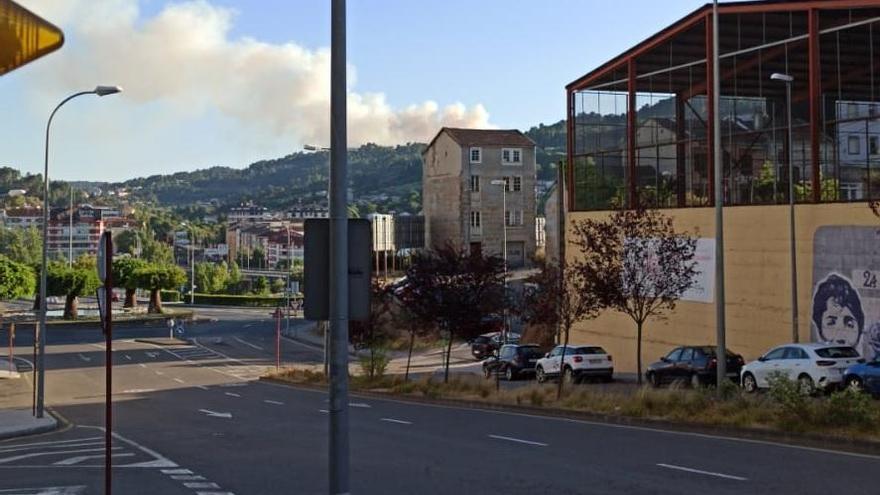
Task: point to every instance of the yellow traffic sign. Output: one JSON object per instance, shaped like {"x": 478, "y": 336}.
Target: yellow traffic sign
{"x": 24, "y": 36}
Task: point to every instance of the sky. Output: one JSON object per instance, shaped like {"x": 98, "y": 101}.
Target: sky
{"x": 230, "y": 82}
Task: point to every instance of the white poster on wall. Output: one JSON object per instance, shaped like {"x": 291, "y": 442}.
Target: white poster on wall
{"x": 704, "y": 282}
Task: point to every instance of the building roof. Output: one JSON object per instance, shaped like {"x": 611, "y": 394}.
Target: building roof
{"x": 485, "y": 137}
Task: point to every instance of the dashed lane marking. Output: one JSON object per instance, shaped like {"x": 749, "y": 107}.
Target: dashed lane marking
{"x": 200, "y": 484}
{"x": 267, "y": 401}
{"x": 518, "y": 440}
{"x": 397, "y": 421}
{"x": 232, "y": 394}
{"x": 700, "y": 471}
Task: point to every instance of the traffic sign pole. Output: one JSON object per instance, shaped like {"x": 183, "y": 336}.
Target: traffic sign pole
{"x": 105, "y": 273}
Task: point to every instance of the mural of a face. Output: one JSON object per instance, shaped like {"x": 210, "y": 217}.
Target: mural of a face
{"x": 837, "y": 311}
{"x": 838, "y": 324}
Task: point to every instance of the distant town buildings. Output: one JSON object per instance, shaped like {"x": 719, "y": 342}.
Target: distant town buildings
{"x": 462, "y": 205}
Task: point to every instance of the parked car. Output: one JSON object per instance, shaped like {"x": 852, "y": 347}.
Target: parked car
{"x": 864, "y": 377}
{"x": 488, "y": 344}
{"x": 513, "y": 361}
{"x": 696, "y": 365}
{"x": 581, "y": 361}
{"x": 814, "y": 366}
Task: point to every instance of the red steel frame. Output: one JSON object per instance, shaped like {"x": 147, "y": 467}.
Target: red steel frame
{"x": 704, "y": 14}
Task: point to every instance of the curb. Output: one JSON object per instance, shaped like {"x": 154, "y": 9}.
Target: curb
{"x": 810, "y": 440}
{"x": 34, "y": 430}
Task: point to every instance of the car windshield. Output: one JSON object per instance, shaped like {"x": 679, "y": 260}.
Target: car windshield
{"x": 837, "y": 352}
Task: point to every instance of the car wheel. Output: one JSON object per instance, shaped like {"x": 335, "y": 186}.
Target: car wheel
{"x": 806, "y": 385}
{"x": 653, "y": 379}
{"x": 696, "y": 382}
{"x": 854, "y": 383}
{"x": 749, "y": 384}
{"x": 568, "y": 376}
{"x": 539, "y": 375}
{"x": 509, "y": 374}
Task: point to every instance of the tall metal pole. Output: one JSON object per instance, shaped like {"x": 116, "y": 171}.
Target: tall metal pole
{"x": 791, "y": 201}
{"x": 70, "y": 232}
{"x": 287, "y": 288}
{"x": 720, "y": 323}
{"x": 504, "y": 252}
{"x": 108, "y": 364}
{"x": 41, "y": 338}
{"x": 339, "y": 445}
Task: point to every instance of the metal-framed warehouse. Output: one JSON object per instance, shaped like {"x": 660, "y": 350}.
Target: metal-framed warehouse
{"x": 639, "y": 126}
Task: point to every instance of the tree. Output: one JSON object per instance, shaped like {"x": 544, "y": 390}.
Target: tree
{"x": 156, "y": 278}
{"x": 71, "y": 282}
{"x": 16, "y": 279}
{"x": 127, "y": 242}
{"x": 277, "y": 285}
{"x": 211, "y": 278}
{"x": 635, "y": 263}
{"x": 261, "y": 285}
{"x": 156, "y": 251}
{"x": 22, "y": 245}
{"x": 372, "y": 334}
{"x": 124, "y": 275}
{"x": 456, "y": 289}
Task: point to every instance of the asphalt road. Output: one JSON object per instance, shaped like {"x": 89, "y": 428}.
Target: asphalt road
{"x": 191, "y": 419}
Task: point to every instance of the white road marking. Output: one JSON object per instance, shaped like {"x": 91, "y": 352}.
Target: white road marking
{"x": 215, "y": 414}
{"x": 214, "y": 493}
{"x": 153, "y": 355}
{"x": 323, "y": 411}
{"x": 248, "y": 343}
{"x": 248, "y": 325}
{"x": 699, "y": 471}
{"x": 58, "y": 443}
{"x": 518, "y": 440}
{"x": 142, "y": 365}
{"x": 178, "y": 380}
{"x": 76, "y": 460}
{"x": 84, "y": 358}
{"x": 201, "y": 484}
{"x": 54, "y": 452}
{"x": 176, "y": 471}
{"x": 159, "y": 461}
{"x": 188, "y": 477}
{"x": 267, "y": 401}
{"x": 202, "y": 387}
{"x": 47, "y": 490}
{"x": 128, "y": 357}
{"x": 232, "y": 394}
{"x": 398, "y": 421}
{"x": 138, "y": 391}
{"x": 359, "y": 404}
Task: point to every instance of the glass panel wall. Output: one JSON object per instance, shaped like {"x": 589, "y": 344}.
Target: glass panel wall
{"x": 600, "y": 171}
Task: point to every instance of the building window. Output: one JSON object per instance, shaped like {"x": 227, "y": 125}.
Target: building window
{"x": 517, "y": 183}
{"x": 854, "y": 144}
{"x": 506, "y": 183}
{"x": 511, "y": 156}
{"x": 475, "y": 183}
{"x": 873, "y": 146}
{"x": 476, "y": 155}
{"x": 513, "y": 218}
{"x": 475, "y": 219}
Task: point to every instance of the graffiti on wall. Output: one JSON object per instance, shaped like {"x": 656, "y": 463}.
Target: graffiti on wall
{"x": 845, "y": 307}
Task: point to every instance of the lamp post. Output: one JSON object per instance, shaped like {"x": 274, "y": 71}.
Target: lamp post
{"x": 41, "y": 338}
{"x": 718, "y": 170}
{"x": 788, "y": 80}
{"x": 503, "y": 183}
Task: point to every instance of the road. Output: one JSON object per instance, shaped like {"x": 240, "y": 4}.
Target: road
{"x": 191, "y": 419}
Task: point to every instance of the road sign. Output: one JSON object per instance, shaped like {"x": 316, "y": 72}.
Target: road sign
{"x": 102, "y": 302}
{"x": 316, "y": 269}
{"x": 24, "y": 36}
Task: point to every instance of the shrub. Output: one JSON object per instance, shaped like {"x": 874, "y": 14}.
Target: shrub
{"x": 847, "y": 408}
{"x": 374, "y": 363}
{"x": 243, "y": 300}
{"x": 169, "y": 295}
{"x": 786, "y": 393}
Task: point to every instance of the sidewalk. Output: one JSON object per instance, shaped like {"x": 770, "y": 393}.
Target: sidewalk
{"x": 16, "y": 418}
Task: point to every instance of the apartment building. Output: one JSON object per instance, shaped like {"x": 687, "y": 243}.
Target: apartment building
{"x": 476, "y": 184}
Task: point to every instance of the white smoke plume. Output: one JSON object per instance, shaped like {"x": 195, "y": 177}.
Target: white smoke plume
{"x": 185, "y": 56}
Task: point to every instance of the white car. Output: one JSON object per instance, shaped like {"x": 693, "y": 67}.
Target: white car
{"x": 581, "y": 361}
{"x": 814, "y": 366}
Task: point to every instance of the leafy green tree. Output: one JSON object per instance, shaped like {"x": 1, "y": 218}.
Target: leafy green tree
{"x": 157, "y": 252}
{"x": 258, "y": 258}
{"x": 156, "y": 278}
{"x": 261, "y": 285}
{"x": 124, "y": 271}
{"x": 127, "y": 242}
{"x": 16, "y": 279}
{"x": 71, "y": 282}
{"x": 277, "y": 285}
{"x": 22, "y": 245}
{"x": 211, "y": 278}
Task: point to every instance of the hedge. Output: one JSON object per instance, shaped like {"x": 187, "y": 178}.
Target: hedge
{"x": 236, "y": 300}
{"x": 169, "y": 295}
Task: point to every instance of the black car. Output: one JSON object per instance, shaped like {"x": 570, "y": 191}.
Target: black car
{"x": 487, "y": 344}
{"x": 696, "y": 365}
{"x": 513, "y": 361}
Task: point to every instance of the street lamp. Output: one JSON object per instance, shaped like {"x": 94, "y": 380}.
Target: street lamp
{"x": 504, "y": 184}
{"x": 41, "y": 355}
{"x": 788, "y": 80}
{"x": 312, "y": 147}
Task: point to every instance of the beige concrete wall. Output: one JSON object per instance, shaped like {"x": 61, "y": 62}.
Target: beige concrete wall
{"x": 442, "y": 189}
{"x": 757, "y": 283}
